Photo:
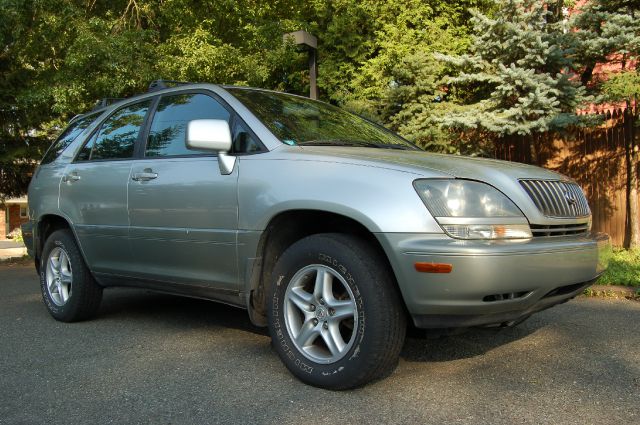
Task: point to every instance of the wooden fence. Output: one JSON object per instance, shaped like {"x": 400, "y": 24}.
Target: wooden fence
{"x": 596, "y": 158}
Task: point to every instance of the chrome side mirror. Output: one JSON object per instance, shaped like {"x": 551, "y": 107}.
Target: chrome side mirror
{"x": 213, "y": 136}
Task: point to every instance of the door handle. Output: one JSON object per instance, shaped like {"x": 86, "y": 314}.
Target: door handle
{"x": 73, "y": 177}
{"x": 146, "y": 175}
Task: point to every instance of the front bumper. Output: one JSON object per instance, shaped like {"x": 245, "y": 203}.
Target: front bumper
{"x": 492, "y": 282}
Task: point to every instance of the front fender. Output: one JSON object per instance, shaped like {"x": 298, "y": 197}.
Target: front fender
{"x": 383, "y": 200}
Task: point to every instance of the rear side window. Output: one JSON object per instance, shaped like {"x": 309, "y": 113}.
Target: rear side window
{"x": 167, "y": 133}
{"x": 117, "y": 136}
{"x": 68, "y": 135}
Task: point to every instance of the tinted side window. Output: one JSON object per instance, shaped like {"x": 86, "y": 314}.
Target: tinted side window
{"x": 68, "y": 135}
{"x": 117, "y": 135}
{"x": 167, "y": 133}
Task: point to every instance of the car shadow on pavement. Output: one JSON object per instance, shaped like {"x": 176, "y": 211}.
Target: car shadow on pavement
{"x": 139, "y": 304}
{"x": 463, "y": 343}
{"x": 125, "y": 304}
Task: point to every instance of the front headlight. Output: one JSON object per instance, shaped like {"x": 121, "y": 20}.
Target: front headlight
{"x": 468, "y": 209}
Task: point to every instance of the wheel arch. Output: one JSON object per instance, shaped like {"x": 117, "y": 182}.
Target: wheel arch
{"x": 288, "y": 227}
{"x": 45, "y": 226}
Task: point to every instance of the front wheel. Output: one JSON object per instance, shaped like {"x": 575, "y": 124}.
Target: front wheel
{"x": 335, "y": 316}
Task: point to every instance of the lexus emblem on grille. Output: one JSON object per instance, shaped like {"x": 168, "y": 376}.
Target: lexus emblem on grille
{"x": 570, "y": 199}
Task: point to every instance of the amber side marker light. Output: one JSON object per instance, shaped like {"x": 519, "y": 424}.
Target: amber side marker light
{"x": 433, "y": 267}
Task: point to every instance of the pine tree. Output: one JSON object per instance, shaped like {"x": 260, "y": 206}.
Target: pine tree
{"x": 376, "y": 58}
{"x": 413, "y": 99}
{"x": 517, "y": 77}
{"x": 608, "y": 31}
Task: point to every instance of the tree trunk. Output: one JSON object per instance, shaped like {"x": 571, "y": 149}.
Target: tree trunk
{"x": 587, "y": 73}
{"x": 633, "y": 158}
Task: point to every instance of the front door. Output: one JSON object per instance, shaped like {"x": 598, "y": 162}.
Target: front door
{"x": 183, "y": 211}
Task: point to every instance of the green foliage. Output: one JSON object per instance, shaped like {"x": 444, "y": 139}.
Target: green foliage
{"x": 60, "y": 56}
{"x": 513, "y": 75}
{"x": 515, "y": 78}
{"x": 16, "y": 235}
{"x": 622, "y": 86}
{"x": 236, "y": 42}
{"x": 412, "y": 101}
{"x": 606, "y": 31}
{"x": 377, "y": 60}
{"x": 624, "y": 269}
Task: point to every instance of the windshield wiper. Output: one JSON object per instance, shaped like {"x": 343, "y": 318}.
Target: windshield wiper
{"x": 326, "y": 142}
{"x": 383, "y": 146}
{"x": 352, "y": 143}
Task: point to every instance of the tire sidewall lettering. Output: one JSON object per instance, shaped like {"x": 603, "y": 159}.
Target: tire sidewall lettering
{"x": 278, "y": 327}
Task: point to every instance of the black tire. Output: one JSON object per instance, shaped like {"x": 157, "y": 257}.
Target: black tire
{"x": 379, "y": 323}
{"x": 83, "y": 294}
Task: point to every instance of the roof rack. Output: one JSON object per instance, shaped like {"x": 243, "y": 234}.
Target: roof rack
{"x": 75, "y": 117}
{"x": 163, "y": 84}
{"x": 104, "y": 102}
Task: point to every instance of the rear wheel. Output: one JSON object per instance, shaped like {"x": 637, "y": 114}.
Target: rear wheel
{"x": 68, "y": 289}
{"x": 335, "y": 317}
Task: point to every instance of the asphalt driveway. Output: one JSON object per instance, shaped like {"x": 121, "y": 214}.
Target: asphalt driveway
{"x": 151, "y": 358}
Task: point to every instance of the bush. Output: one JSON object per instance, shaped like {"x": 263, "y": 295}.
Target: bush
{"x": 624, "y": 269}
{"x": 16, "y": 235}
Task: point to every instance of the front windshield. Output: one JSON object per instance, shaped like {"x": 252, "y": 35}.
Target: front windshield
{"x": 299, "y": 121}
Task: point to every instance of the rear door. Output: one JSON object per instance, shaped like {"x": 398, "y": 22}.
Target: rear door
{"x": 93, "y": 192}
{"x": 183, "y": 211}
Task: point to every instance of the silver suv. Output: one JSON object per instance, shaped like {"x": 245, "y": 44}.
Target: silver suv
{"x": 329, "y": 229}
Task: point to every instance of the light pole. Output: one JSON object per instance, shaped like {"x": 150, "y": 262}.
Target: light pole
{"x": 303, "y": 38}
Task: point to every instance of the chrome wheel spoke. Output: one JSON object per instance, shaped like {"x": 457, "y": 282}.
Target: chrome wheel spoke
{"x": 52, "y": 285}
{"x": 65, "y": 278}
{"x": 324, "y": 285}
{"x": 65, "y": 265}
{"x": 343, "y": 309}
{"x": 333, "y": 339}
{"x": 301, "y": 298}
{"x": 62, "y": 260}
{"x": 64, "y": 292}
{"x": 55, "y": 263}
{"x": 308, "y": 334}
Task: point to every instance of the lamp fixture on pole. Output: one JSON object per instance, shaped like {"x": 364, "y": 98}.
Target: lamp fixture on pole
{"x": 303, "y": 38}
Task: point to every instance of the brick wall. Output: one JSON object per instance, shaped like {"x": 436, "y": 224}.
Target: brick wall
{"x": 3, "y": 230}
{"x": 15, "y": 220}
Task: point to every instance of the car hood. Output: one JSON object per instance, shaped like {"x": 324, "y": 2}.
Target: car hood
{"x": 430, "y": 164}
{"x": 503, "y": 175}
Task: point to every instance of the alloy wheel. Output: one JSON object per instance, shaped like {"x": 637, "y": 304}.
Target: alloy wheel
{"x": 59, "y": 276}
{"x": 320, "y": 313}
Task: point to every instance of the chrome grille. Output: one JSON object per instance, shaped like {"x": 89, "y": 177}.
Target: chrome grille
{"x": 556, "y": 198}
{"x": 559, "y": 229}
